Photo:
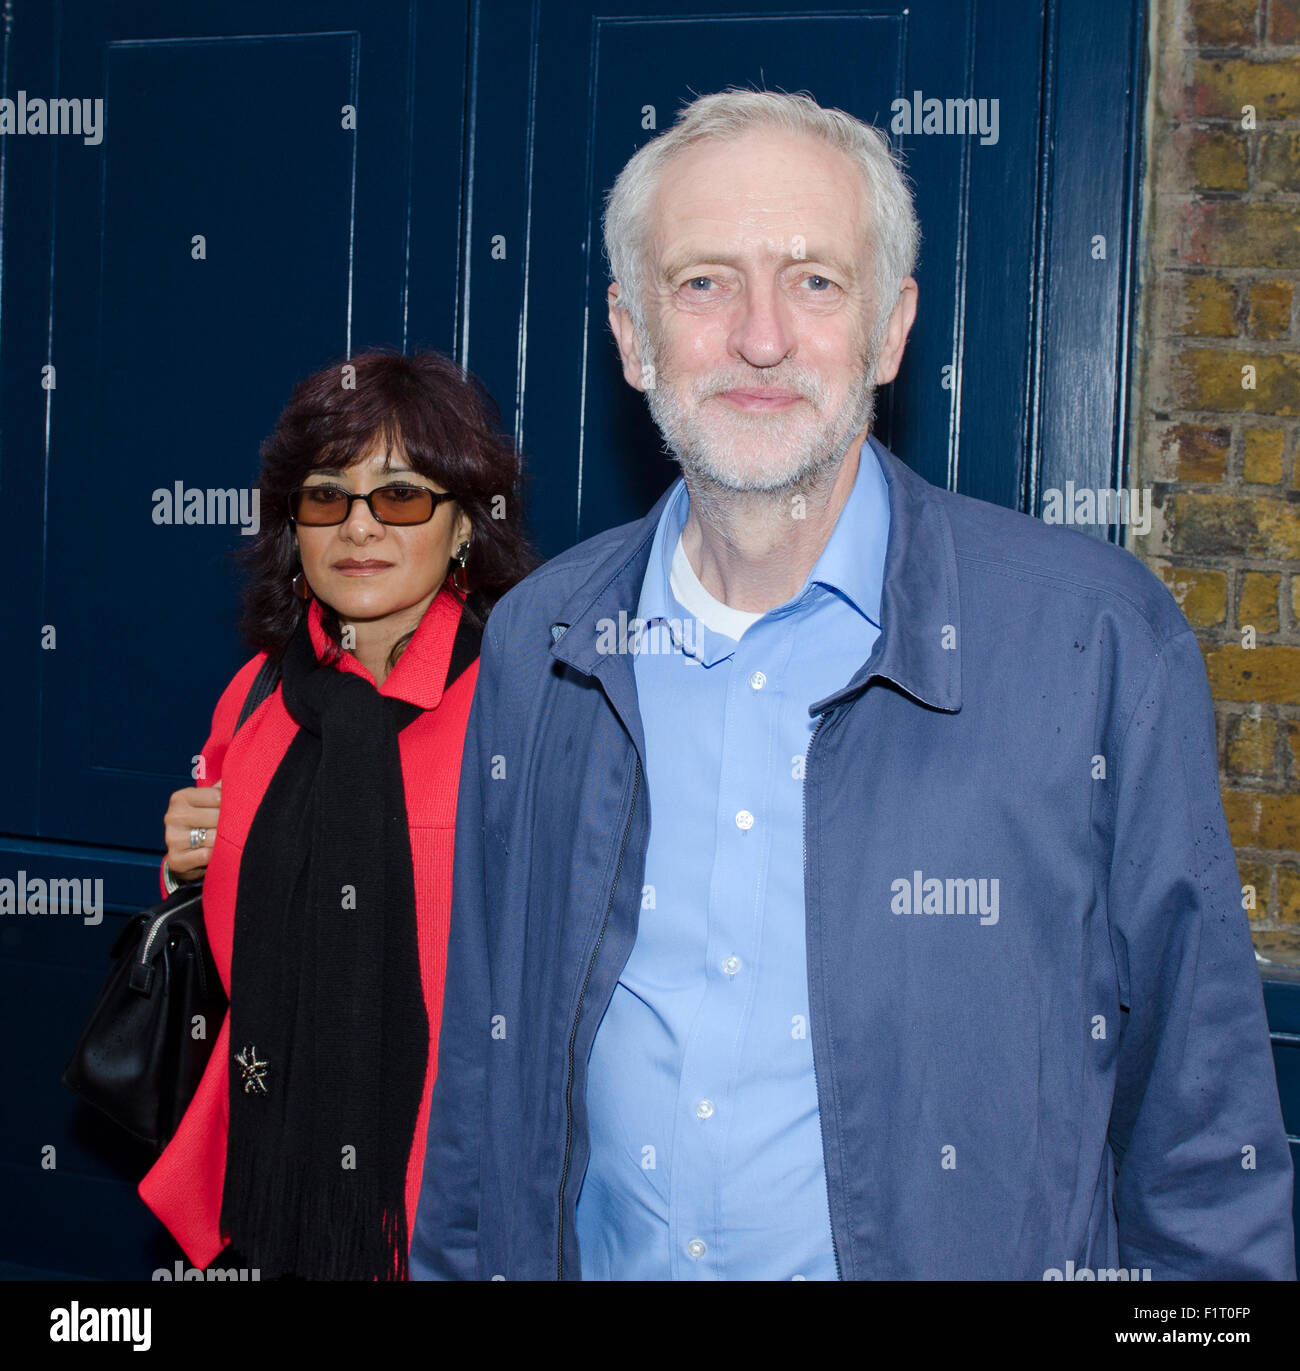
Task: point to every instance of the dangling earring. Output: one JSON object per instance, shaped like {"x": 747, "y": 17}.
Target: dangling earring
{"x": 300, "y": 587}
{"x": 458, "y": 578}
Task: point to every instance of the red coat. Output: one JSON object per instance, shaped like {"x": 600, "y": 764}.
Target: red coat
{"x": 183, "y": 1188}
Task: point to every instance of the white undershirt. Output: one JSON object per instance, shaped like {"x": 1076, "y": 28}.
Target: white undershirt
{"x": 716, "y": 616}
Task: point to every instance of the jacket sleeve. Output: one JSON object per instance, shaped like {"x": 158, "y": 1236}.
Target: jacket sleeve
{"x": 444, "y": 1243}
{"x": 1203, "y": 1186}
{"x": 184, "y": 1185}
{"x": 224, "y": 718}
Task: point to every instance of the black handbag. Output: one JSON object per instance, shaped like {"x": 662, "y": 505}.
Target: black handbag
{"x": 142, "y": 1053}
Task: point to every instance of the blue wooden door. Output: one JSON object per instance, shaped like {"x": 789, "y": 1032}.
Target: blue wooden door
{"x": 276, "y": 184}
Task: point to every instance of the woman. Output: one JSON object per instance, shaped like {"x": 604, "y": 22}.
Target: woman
{"x": 323, "y": 829}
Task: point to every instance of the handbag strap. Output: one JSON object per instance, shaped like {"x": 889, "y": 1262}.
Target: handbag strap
{"x": 264, "y": 684}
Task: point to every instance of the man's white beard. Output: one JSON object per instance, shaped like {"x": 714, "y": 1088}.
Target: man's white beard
{"x": 721, "y": 447}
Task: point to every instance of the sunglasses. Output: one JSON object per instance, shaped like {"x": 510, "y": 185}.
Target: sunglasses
{"x": 392, "y": 504}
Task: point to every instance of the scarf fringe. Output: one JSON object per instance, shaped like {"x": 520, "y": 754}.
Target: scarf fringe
{"x": 281, "y": 1202}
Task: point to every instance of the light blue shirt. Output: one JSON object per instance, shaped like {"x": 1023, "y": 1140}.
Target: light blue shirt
{"x": 706, "y": 1149}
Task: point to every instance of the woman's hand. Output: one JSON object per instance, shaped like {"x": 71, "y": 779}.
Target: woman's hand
{"x": 193, "y": 807}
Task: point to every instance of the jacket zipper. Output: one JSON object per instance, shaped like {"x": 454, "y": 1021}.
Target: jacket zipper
{"x": 573, "y": 1035}
{"x": 821, "y": 1113}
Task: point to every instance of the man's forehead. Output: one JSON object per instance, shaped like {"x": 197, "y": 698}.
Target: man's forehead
{"x": 762, "y": 189}
{"x": 698, "y": 233}
{"x": 724, "y": 247}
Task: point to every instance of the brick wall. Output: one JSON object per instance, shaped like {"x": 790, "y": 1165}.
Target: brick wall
{"x": 1217, "y": 400}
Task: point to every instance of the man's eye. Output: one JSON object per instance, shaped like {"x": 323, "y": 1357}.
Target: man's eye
{"x": 700, "y": 281}
{"x": 818, "y": 283}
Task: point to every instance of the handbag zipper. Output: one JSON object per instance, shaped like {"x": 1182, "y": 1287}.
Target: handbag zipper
{"x": 154, "y": 928}
{"x": 573, "y": 1035}
{"x": 821, "y": 1113}
{"x": 152, "y": 934}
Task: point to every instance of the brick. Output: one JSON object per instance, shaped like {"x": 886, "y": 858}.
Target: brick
{"x": 1201, "y": 304}
{"x": 1279, "y": 160}
{"x": 1262, "y": 820}
{"x": 1216, "y": 159}
{"x": 1280, "y": 946}
{"x": 1284, "y": 21}
{"x": 1258, "y": 602}
{"x": 1221, "y": 23}
{"x": 1293, "y": 750}
{"x": 1234, "y": 233}
{"x": 1221, "y": 86}
{"x": 1251, "y": 746}
{"x": 1201, "y": 595}
{"x": 1262, "y": 464}
{"x": 1288, "y": 895}
{"x": 1232, "y": 526}
{"x": 1259, "y": 675}
{"x": 1270, "y": 309}
{"x": 1211, "y": 378}
{"x": 1192, "y": 452}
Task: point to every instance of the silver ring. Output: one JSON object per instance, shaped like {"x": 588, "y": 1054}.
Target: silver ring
{"x": 198, "y": 836}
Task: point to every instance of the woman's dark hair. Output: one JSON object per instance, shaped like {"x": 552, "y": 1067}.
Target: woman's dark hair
{"x": 447, "y": 425}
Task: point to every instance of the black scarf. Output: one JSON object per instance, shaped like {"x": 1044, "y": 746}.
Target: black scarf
{"x": 329, "y": 1039}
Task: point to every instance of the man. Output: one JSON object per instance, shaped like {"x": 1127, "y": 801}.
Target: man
{"x": 842, "y": 886}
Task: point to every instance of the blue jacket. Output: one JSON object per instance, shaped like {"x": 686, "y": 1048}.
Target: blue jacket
{"x": 1081, "y": 1081}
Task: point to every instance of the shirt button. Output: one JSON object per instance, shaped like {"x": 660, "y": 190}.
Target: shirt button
{"x": 696, "y": 1248}
{"x": 705, "y": 1109}
{"x": 757, "y": 680}
{"x": 744, "y": 819}
{"x": 731, "y": 965}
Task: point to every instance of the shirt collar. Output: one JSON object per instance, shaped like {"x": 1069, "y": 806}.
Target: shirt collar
{"x": 919, "y": 647}
{"x": 853, "y": 560}
{"x": 852, "y": 564}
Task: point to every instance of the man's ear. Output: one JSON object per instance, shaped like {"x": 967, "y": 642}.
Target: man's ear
{"x": 900, "y": 325}
{"x": 620, "y": 323}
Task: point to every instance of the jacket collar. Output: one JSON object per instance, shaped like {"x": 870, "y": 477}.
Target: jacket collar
{"x": 920, "y": 643}
{"x": 421, "y": 672}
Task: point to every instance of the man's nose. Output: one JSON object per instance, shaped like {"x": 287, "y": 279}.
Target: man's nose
{"x": 763, "y": 334}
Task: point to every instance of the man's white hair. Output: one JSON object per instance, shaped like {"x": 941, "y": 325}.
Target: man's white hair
{"x": 731, "y": 114}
